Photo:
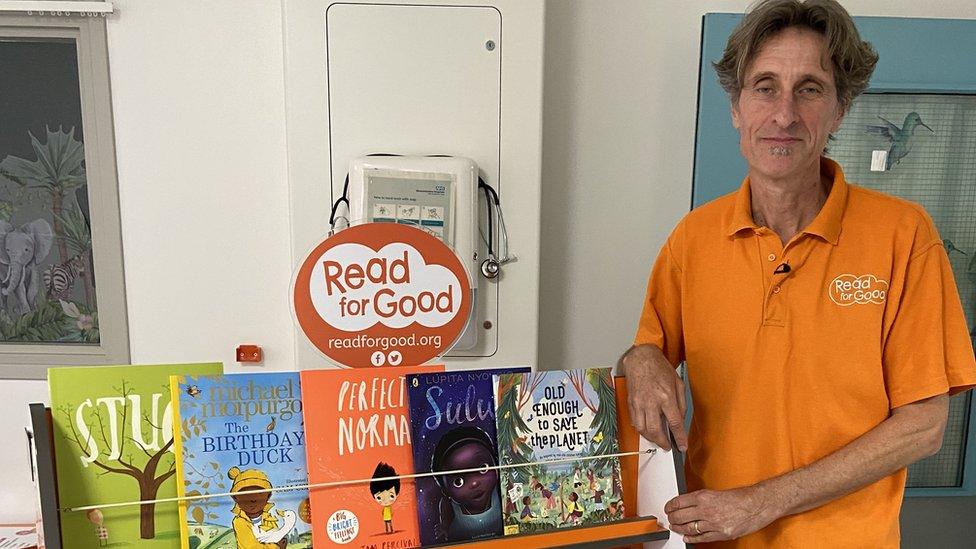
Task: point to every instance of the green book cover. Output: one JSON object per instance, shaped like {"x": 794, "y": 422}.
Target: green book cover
{"x": 553, "y": 424}
{"x": 113, "y": 442}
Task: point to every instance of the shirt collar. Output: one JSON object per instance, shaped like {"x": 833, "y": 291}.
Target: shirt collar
{"x": 826, "y": 224}
{"x": 742, "y": 210}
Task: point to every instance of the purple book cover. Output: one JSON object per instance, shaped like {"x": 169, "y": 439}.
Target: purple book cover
{"x": 452, "y": 426}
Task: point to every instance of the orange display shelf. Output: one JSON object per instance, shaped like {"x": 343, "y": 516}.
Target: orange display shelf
{"x": 614, "y": 534}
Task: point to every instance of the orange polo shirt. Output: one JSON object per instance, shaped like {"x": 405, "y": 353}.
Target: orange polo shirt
{"x": 786, "y": 368}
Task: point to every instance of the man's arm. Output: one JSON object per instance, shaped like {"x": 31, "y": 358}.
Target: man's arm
{"x": 913, "y": 431}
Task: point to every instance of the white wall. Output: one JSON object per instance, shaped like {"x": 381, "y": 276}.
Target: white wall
{"x": 17, "y": 495}
{"x": 198, "y": 101}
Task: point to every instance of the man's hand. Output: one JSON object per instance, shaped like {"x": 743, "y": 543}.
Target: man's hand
{"x": 709, "y": 515}
{"x": 656, "y": 396}
{"x": 911, "y": 432}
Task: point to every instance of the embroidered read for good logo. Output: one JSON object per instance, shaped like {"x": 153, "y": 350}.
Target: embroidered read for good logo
{"x": 848, "y": 289}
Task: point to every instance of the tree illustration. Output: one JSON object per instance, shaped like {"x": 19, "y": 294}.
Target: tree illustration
{"x": 198, "y": 478}
{"x": 578, "y": 379}
{"x": 615, "y": 481}
{"x": 57, "y": 172}
{"x": 525, "y": 390}
{"x": 604, "y": 440}
{"x": 146, "y": 466}
{"x": 512, "y": 429}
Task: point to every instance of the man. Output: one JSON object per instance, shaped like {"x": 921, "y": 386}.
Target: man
{"x": 819, "y": 320}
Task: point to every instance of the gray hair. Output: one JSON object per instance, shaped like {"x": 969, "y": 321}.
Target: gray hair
{"x": 853, "y": 58}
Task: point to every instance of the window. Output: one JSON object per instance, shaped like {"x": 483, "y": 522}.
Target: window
{"x": 62, "y": 299}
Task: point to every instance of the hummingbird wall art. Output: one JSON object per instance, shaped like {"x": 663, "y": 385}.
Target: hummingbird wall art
{"x": 900, "y": 138}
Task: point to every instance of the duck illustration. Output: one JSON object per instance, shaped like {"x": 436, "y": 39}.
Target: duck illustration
{"x": 290, "y": 518}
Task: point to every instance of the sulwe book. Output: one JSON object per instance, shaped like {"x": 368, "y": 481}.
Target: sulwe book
{"x": 452, "y": 423}
{"x": 358, "y": 430}
{"x": 554, "y": 425}
{"x": 241, "y": 434}
{"x": 113, "y": 442}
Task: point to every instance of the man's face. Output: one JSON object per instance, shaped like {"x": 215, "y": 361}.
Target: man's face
{"x": 788, "y": 106}
{"x": 386, "y": 497}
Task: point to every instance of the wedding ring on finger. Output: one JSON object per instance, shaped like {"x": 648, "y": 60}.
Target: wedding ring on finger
{"x": 697, "y": 529}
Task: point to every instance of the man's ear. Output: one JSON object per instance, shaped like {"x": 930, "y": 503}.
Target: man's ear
{"x": 841, "y": 113}
{"x": 734, "y": 109}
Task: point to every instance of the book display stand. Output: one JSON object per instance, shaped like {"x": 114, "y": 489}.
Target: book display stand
{"x": 43, "y": 441}
{"x": 632, "y": 529}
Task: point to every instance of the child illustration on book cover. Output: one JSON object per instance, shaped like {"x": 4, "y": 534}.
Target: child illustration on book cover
{"x": 555, "y": 425}
{"x": 96, "y": 517}
{"x": 470, "y": 506}
{"x": 574, "y": 509}
{"x": 257, "y": 525}
{"x": 385, "y": 491}
{"x": 547, "y": 494}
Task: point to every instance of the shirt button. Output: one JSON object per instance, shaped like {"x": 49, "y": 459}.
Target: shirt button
{"x": 775, "y": 289}
{"x": 771, "y": 257}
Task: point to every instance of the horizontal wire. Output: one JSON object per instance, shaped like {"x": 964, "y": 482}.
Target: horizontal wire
{"x": 650, "y": 451}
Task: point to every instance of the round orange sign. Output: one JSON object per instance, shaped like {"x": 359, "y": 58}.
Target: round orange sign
{"x": 381, "y": 294}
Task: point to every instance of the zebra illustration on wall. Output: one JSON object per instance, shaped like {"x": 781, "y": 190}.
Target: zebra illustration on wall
{"x": 59, "y": 279}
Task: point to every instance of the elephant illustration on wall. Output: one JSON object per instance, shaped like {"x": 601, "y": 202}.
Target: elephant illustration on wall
{"x": 21, "y": 250}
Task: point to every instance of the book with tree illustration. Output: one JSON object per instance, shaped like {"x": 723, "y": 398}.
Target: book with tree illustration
{"x": 358, "y": 430}
{"x": 243, "y": 434}
{"x": 559, "y": 417}
{"x": 113, "y": 441}
{"x": 452, "y": 422}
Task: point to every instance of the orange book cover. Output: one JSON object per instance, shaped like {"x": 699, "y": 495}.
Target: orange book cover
{"x": 357, "y": 427}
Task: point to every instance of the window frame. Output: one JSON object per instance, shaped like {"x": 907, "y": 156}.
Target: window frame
{"x": 26, "y": 361}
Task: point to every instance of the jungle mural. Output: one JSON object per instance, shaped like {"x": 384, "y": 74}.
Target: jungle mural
{"x": 47, "y": 283}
